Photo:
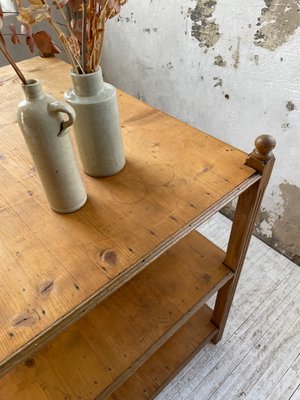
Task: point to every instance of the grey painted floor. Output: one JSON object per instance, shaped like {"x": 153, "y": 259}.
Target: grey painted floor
{"x": 259, "y": 355}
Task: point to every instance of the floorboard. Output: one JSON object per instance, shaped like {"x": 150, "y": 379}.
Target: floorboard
{"x": 259, "y": 355}
{"x": 288, "y": 383}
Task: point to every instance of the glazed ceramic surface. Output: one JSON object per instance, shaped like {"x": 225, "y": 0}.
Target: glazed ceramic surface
{"x": 41, "y": 120}
{"x": 97, "y": 126}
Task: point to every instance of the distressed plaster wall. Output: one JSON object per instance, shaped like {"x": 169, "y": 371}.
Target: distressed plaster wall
{"x": 230, "y": 68}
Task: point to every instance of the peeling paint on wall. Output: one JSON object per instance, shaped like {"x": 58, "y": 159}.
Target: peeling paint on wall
{"x": 286, "y": 229}
{"x": 290, "y": 106}
{"x": 283, "y": 231}
{"x": 236, "y": 55}
{"x": 127, "y": 19}
{"x": 256, "y": 59}
{"x": 204, "y": 28}
{"x": 219, "y": 60}
{"x": 219, "y": 81}
{"x": 285, "y": 126}
{"x": 278, "y": 22}
{"x": 149, "y": 30}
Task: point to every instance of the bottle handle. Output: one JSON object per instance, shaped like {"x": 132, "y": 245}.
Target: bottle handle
{"x": 58, "y": 106}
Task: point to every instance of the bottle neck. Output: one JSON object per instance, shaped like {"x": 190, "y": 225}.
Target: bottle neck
{"x": 33, "y": 89}
{"x": 88, "y": 84}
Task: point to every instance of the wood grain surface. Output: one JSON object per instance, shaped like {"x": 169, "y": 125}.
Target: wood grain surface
{"x": 165, "y": 363}
{"x": 54, "y": 268}
{"x": 99, "y": 352}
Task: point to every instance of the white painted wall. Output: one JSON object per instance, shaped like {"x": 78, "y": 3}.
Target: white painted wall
{"x": 151, "y": 53}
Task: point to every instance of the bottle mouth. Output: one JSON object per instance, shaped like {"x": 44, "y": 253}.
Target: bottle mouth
{"x": 32, "y": 89}
{"x": 31, "y": 82}
{"x": 89, "y": 84}
{"x": 79, "y": 75}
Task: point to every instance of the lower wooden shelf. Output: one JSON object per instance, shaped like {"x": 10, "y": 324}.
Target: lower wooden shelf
{"x": 166, "y": 362}
{"x": 151, "y": 325}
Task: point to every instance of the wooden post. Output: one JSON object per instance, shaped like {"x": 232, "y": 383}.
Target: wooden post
{"x": 261, "y": 159}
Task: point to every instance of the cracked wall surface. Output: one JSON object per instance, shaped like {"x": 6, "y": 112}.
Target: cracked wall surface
{"x": 227, "y": 67}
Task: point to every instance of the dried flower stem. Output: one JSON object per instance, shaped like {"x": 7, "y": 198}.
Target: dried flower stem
{"x": 18, "y": 34}
{"x": 66, "y": 20}
{"x": 103, "y": 31}
{"x": 61, "y": 36}
{"x": 64, "y": 41}
{"x": 100, "y": 50}
{"x": 73, "y": 60}
{"x": 92, "y": 17}
{"x": 84, "y": 38}
{"x": 112, "y": 11}
{"x": 12, "y": 63}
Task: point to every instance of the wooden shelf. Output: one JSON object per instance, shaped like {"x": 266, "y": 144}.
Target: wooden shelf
{"x": 128, "y": 266}
{"x": 55, "y": 268}
{"x": 103, "y": 349}
{"x": 157, "y": 372}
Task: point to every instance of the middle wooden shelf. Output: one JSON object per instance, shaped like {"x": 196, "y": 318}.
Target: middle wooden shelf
{"x": 100, "y": 351}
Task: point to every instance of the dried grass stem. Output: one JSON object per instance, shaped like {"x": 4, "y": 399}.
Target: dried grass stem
{"x": 12, "y": 63}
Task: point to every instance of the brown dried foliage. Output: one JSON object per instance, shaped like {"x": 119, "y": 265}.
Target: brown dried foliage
{"x": 84, "y": 43}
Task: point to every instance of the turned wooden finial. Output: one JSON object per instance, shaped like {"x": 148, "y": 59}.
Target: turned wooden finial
{"x": 264, "y": 145}
{"x": 262, "y": 153}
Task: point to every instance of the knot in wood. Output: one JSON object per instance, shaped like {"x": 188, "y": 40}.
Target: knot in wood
{"x": 264, "y": 145}
{"x": 109, "y": 256}
{"x": 23, "y": 320}
{"x": 29, "y": 363}
{"x": 46, "y": 287}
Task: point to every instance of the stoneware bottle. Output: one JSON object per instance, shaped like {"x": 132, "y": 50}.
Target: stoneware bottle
{"x": 40, "y": 117}
{"x": 97, "y": 126}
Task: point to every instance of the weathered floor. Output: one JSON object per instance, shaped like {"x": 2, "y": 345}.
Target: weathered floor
{"x": 259, "y": 355}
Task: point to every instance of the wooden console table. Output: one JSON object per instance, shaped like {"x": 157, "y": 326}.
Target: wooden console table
{"x": 81, "y": 317}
